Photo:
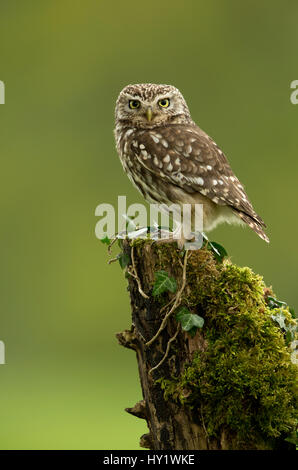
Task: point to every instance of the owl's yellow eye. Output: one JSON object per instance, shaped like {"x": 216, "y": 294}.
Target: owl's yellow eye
{"x": 134, "y": 104}
{"x": 164, "y": 103}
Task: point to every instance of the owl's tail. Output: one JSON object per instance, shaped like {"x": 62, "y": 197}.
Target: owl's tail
{"x": 254, "y": 225}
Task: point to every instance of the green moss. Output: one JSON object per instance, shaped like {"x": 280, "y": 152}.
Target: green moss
{"x": 245, "y": 379}
{"x": 140, "y": 242}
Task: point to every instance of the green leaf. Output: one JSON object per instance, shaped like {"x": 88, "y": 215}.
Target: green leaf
{"x": 280, "y": 319}
{"x": 274, "y": 303}
{"x": 292, "y": 330}
{"x": 288, "y": 329}
{"x": 123, "y": 260}
{"x": 193, "y": 332}
{"x": 219, "y": 251}
{"x": 189, "y": 321}
{"x": 163, "y": 283}
{"x": 293, "y": 438}
{"x": 292, "y": 312}
{"x": 105, "y": 240}
{"x": 289, "y": 337}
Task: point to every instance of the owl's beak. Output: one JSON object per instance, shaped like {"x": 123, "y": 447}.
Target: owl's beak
{"x": 149, "y": 113}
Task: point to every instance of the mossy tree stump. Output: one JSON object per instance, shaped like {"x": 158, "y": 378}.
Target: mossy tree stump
{"x": 232, "y": 385}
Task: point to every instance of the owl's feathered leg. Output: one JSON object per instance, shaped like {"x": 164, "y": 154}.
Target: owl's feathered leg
{"x": 171, "y": 239}
{"x": 189, "y": 241}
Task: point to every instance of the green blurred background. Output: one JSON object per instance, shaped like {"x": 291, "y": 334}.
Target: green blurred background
{"x": 66, "y": 381}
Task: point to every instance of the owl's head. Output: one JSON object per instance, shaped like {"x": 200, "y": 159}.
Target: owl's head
{"x": 149, "y": 105}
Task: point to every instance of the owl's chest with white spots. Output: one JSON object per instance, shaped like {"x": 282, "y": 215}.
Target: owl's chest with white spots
{"x": 138, "y": 175}
{"x": 150, "y": 185}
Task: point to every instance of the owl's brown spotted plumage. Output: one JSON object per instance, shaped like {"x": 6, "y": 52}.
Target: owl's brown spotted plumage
{"x": 172, "y": 161}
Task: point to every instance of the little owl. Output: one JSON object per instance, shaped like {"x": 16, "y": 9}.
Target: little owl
{"x": 171, "y": 160}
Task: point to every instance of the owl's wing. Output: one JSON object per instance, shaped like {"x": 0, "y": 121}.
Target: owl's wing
{"x": 187, "y": 157}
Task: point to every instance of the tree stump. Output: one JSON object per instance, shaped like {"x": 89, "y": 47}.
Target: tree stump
{"x": 189, "y": 386}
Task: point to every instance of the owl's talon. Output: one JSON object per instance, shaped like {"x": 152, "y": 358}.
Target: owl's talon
{"x": 162, "y": 241}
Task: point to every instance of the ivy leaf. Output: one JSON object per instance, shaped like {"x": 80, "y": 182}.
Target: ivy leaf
{"x": 292, "y": 312}
{"x": 289, "y": 329}
{"x": 289, "y": 337}
{"x": 293, "y": 438}
{"x": 189, "y": 321}
{"x": 219, "y": 251}
{"x": 274, "y": 303}
{"x": 193, "y": 331}
{"x": 163, "y": 283}
{"x": 105, "y": 240}
{"x": 123, "y": 259}
{"x": 280, "y": 319}
{"x": 292, "y": 330}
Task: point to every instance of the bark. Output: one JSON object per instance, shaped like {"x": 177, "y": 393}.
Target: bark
{"x": 171, "y": 425}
